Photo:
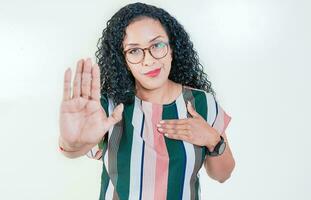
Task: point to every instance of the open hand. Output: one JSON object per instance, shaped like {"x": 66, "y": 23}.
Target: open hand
{"x": 82, "y": 118}
{"x": 194, "y": 130}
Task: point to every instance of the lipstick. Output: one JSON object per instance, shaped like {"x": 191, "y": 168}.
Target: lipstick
{"x": 153, "y": 73}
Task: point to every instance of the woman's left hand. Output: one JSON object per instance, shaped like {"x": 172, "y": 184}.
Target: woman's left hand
{"x": 194, "y": 130}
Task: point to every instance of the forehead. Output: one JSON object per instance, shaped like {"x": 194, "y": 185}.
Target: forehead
{"x": 143, "y": 30}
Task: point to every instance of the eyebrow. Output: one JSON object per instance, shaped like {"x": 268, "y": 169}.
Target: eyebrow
{"x": 135, "y": 44}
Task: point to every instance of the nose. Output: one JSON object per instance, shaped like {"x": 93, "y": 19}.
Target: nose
{"x": 148, "y": 59}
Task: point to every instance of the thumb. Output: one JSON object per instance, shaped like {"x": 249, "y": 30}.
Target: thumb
{"x": 116, "y": 115}
{"x": 191, "y": 110}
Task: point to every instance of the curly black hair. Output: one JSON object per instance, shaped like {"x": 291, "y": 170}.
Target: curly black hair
{"x": 117, "y": 82}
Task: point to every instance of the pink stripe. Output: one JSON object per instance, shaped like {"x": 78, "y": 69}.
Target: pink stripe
{"x": 227, "y": 119}
{"x": 149, "y": 155}
{"x": 162, "y": 160}
{"x": 222, "y": 121}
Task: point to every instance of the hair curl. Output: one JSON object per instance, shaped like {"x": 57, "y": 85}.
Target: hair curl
{"x": 117, "y": 82}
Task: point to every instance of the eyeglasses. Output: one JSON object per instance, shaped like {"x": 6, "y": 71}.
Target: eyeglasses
{"x": 137, "y": 55}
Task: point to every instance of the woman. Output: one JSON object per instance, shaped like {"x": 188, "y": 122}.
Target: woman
{"x": 147, "y": 111}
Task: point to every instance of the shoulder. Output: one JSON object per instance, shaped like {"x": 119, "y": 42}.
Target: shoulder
{"x": 202, "y": 101}
{"x": 207, "y": 106}
{"x": 199, "y": 93}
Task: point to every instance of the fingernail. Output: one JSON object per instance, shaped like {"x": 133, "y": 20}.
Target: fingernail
{"x": 161, "y": 122}
{"x": 158, "y": 125}
{"x": 160, "y": 129}
{"x": 166, "y": 134}
{"x": 120, "y": 105}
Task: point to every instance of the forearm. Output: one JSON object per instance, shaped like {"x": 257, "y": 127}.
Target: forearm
{"x": 220, "y": 167}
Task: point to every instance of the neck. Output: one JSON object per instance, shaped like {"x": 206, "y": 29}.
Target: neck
{"x": 159, "y": 95}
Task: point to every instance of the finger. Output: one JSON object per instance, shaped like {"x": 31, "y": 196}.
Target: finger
{"x": 174, "y": 121}
{"x": 67, "y": 85}
{"x": 77, "y": 80}
{"x": 192, "y": 110}
{"x": 95, "y": 87}
{"x": 86, "y": 78}
{"x": 175, "y": 126}
{"x": 174, "y": 131}
{"x": 177, "y": 137}
{"x": 116, "y": 116}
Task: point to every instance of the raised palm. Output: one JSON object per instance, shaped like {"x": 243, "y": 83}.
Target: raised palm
{"x": 82, "y": 118}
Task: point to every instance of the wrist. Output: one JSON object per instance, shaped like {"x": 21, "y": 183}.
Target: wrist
{"x": 213, "y": 141}
{"x": 64, "y": 150}
{"x": 65, "y": 147}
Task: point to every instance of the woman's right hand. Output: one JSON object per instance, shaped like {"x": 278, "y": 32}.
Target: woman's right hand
{"x": 83, "y": 121}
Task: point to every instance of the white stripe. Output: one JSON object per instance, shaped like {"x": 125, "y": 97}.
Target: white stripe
{"x": 109, "y": 192}
{"x": 137, "y": 144}
{"x": 147, "y": 108}
{"x": 199, "y": 187}
{"x": 211, "y": 108}
{"x": 190, "y": 154}
{"x": 110, "y": 110}
{"x": 91, "y": 153}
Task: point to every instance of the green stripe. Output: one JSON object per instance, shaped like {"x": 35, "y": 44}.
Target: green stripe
{"x": 104, "y": 103}
{"x": 200, "y": 102}
{"x": 124, "y": 153}
{"x": 177, "y": 160}
{"x": 200, "y": 105}
{"x": 104, "y": 182}
{"x": 103, "y": 145}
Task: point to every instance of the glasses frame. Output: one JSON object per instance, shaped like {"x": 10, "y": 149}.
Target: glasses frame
{"x": 149, "y": 50}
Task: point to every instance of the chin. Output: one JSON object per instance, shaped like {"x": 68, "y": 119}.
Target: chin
{"x": 152, "y": 84}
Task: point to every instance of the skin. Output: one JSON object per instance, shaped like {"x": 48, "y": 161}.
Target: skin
{"x": 83, "y": 122}
{"x": 143, "y": 33}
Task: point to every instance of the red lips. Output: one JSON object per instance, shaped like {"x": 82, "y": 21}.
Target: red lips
{"x": 153, "y": 73}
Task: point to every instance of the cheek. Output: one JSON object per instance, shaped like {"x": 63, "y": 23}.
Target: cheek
{"x": 171, "y": 54}
{"x": 134, "y": 70}
{"x": 130, "y": 67}
{"x": 169, "y": 58}
{"x": 168, "y": 62}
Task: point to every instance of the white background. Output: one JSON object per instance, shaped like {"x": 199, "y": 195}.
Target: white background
{"x": 256, "y": 53}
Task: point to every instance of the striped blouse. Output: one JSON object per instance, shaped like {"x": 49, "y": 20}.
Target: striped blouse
{"x": 140, "y": 163}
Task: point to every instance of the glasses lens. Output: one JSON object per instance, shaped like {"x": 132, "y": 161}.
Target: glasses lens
{"x": 134, "y": 55}
{"x": 159, "y": 50}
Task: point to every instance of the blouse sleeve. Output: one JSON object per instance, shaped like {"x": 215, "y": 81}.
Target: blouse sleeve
{"x": 216, "y": 116}
{"x": 98, "y": 150}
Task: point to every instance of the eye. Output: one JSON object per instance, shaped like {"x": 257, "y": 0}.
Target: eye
{"x": 159, "y": 45}
{"x": 134, "y": 51}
